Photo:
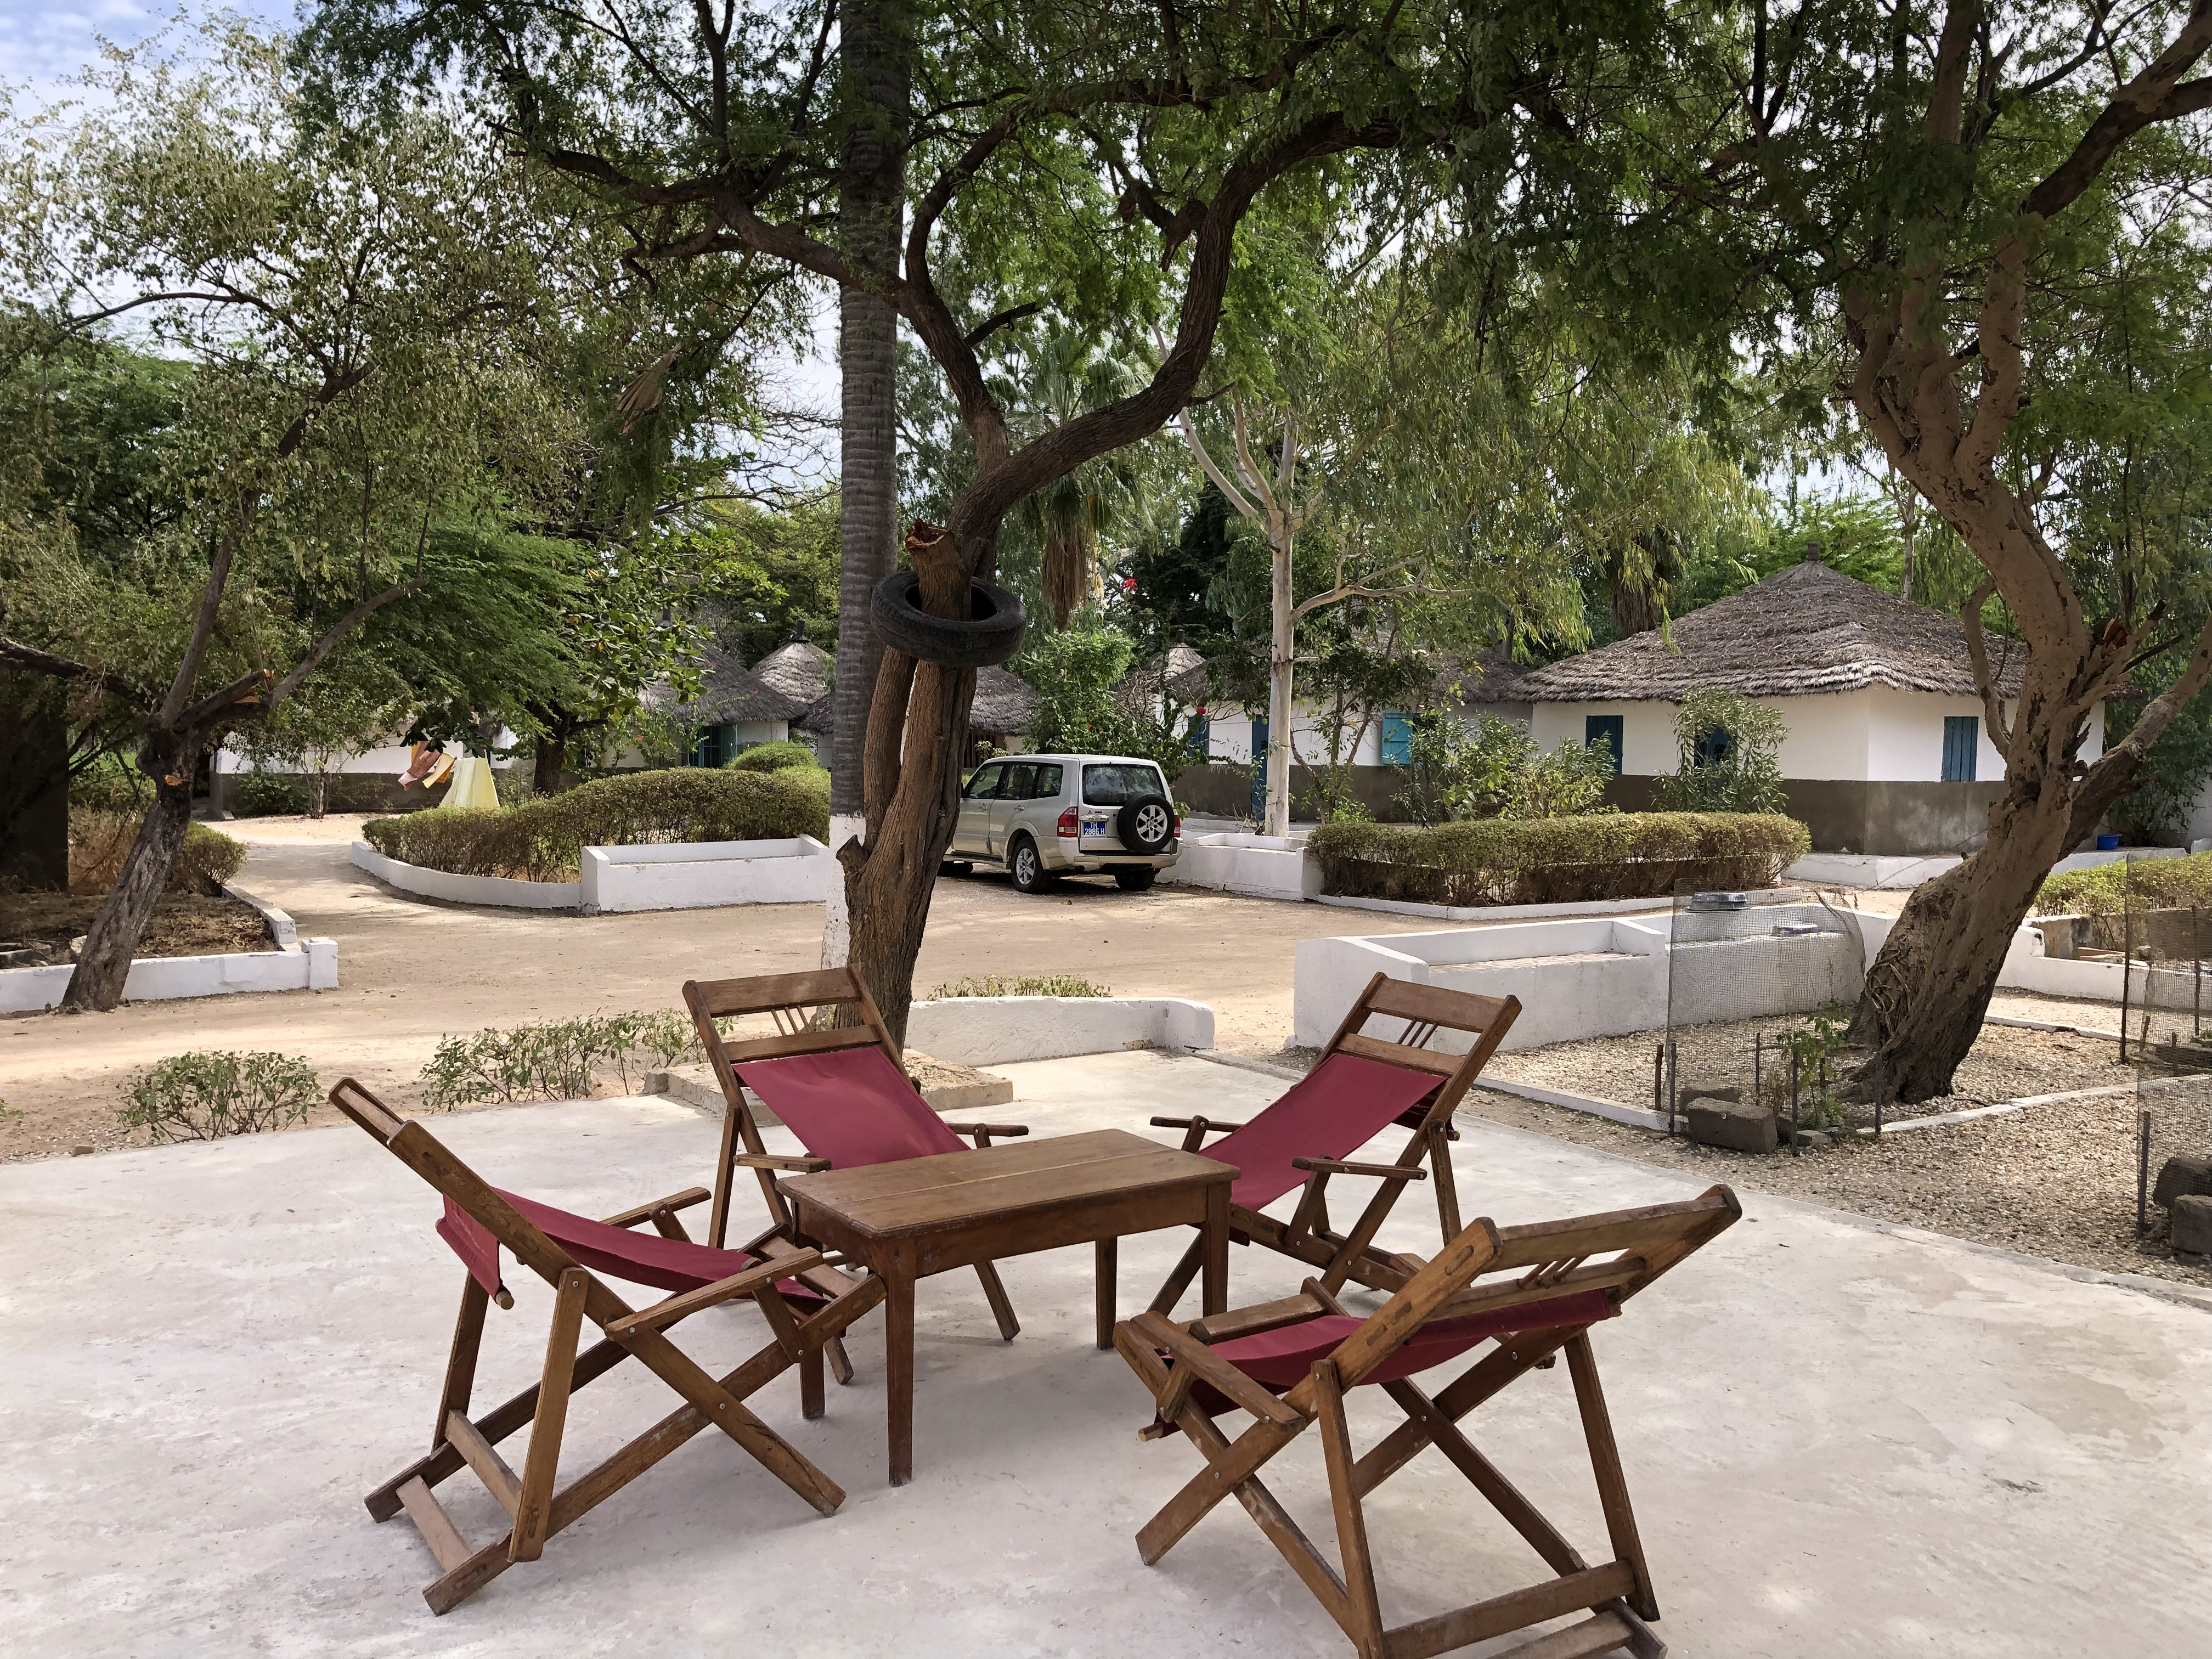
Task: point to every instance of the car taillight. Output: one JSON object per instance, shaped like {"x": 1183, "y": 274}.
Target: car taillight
{"x": 1175, "y": 824}
{"x": 1067, "y": 822}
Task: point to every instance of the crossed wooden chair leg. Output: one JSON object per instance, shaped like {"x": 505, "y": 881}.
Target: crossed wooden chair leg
{"x": 1307, "y": 1348}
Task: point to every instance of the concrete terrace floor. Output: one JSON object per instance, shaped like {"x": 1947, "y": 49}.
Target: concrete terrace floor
{"x": 1843, "y": 1438}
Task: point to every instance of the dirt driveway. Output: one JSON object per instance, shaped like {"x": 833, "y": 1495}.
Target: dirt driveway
{"x": 410, "y": 970}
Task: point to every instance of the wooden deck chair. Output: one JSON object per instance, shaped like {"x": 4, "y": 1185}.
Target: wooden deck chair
{"x": 1362, "y": 1084}
{"x": 843, "y": 1091}
{"x": 1535, "y": 1290}
{"x": 804, "y": 1299}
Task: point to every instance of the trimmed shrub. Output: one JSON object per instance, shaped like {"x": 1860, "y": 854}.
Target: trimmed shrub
{"x": 2159, "y": 884}
{"x": 557, "y": 1060}
{"x": 1610, "y": 856}
{"x": 1023, "y": 985}
{"x": 774, "y": 757}
{"x": 100, "y": 841}
{"x": 543, "y": 839}
{"x": 207, "y": 1094}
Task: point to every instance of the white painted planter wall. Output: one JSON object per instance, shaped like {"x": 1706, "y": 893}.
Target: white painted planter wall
{"x": 692, "y": 875}
{"x": 993, "y": 1031}
{"x": 1868, "y": 870}
{"x": 502, "y": 890}
{"x": 1257, "y": 866}
{"x": 310, "y": 966}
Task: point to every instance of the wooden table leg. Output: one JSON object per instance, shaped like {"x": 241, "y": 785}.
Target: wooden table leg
{"x": 898, "y": 1371}
{"x": 1214, "y": 1296}
{"x": 1104, "y": 1250}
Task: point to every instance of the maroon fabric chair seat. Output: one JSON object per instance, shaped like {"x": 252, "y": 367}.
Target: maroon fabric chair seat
{"x": 637, "y": 1258}
{"x": 1336, "y": 1108}
{"x": 850, "y": 1106}
{"x": 1280, "y": 1358}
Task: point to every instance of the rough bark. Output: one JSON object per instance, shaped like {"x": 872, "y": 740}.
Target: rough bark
{"x": 917, "y": 726}
{"x": 112, "y": 938}
{"x": 875, "y": 52}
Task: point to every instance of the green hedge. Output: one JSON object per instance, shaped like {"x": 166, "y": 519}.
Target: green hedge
{"x": 1606, "y": 855}
{"x": 2158, "y": 884}
{"x": 543, "y": 839}
{"x": 777, "y": 756}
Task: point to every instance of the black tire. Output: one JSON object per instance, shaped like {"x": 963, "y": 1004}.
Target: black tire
{"x": 956, "y": 868}
{"x": 1146, "y": 825}
{"x": 991, "y": 634}
{"x": 1027, "y": 868}
{"x": 1135, "y": 881}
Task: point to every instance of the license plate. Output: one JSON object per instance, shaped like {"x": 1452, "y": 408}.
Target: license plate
{"x": 1094, "y": 826}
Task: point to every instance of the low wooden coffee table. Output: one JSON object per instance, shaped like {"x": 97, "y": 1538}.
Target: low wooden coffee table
{"x": 924, "y": 1215}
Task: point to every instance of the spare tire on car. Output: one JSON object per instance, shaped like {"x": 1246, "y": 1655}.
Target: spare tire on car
{"x": 993, "y": 633}
{"x": 1146, "y": 825}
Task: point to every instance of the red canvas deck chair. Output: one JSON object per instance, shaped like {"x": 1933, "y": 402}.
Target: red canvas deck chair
{"x": 804, "y": 1299}
{"x": 1364, "y": 1083}
{"x": 843, "y": 1091}
{"x": 1535, "y": 1290}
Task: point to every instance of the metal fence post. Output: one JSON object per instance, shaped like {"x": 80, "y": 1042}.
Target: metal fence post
{"x": 2142, "y": 1174}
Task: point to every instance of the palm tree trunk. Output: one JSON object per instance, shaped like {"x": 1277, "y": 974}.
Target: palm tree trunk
{"x": 876, "y": 53}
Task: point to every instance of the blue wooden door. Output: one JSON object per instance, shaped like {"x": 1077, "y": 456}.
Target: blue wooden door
{"x": 1259, "y": 769}
{"x": 1962, "y": 746}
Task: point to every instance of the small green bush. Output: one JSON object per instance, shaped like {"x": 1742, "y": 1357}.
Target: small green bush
{"x": 556, "y": 1060}
{"x": 1023, "y": 985}
{"x": 100, "y": 841}
{"x": 1607, "y": 855}
{"x": 543, "y": 839}
{"x": 773, "y": 757}
{"x": 270, "y": 795}
{"x": 210, "y": 1094}
{"x": 2157, "y": 885}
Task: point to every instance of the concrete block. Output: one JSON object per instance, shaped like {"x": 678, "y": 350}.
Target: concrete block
{"x": 1738, "y": 1127}
{"x": 2192, "y": 1224}
{"x": 1706, "y": 1089}
{"x": 2182, "y": 1175}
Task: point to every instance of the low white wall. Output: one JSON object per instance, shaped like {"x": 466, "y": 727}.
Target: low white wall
{"x": 312, "y": 965}
{"x": 1870, "y": 870}
{"x": 693, "y": 875}
{"x": 468, "y": 889}
{"x": 988, "y": 1030}
{"x": 1257, "y": 866}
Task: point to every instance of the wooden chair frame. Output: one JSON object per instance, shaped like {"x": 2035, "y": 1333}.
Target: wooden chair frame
{"x": 794, "y": 1002}
{"x": 1425, "y": 1010}
{"x": 538, "y": 1509}
{"x": 1557, "y": 1258}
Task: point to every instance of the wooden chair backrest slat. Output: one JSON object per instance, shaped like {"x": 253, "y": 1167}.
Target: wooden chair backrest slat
{"x": 1538, "y": 1243}
{"x": 1397, "y": 1053}
{"x": 723, "y": 998}
{"x": 1436, "y": 1004}
{"x": 366, "y": 1109}
{"x": 741, "y": 1050}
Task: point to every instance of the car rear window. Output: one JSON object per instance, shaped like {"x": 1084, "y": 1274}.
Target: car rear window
{"x": 1118, "y": 784}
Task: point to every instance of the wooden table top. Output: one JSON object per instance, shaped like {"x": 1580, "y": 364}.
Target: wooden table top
{"x": 952, "y": 1190}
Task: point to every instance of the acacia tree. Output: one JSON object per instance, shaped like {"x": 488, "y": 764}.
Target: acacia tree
{"x": 329, "y": 310}
{"x": 1965, "y": 201}
{"x": 1132, "y": 141}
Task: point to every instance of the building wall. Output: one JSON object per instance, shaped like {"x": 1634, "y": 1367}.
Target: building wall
{"x": 1229, "y": 735}
{"x": 1647, "y": 731}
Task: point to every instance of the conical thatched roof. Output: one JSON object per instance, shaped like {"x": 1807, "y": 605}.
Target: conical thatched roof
{"x": 1004, "y": 706}
{"x": 1803, "y": 631}
{"x": 733, "y": 694}
{"x": 1180, "y": 674}
{"x": 799, "y": 668}
{"x": 1489, "y": 676}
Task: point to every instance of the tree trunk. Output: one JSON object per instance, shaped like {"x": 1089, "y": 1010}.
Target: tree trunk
{"x": 97, "y": 984}
{"x": 547, "y": 762}
{"x": 1281, "y": 667}
{"x": 916, "y": 727}
{"x": 319, "y": 794}
{"x": 876, "y": 53}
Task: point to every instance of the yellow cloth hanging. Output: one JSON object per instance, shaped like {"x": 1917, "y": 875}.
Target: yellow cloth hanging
{"x": 472, "y": 785}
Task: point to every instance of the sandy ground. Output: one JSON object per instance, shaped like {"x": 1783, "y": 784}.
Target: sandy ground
{"x": 410, "y": 970}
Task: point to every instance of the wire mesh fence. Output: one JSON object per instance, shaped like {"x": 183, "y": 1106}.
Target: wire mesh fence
{"x": 1760, "y": 988}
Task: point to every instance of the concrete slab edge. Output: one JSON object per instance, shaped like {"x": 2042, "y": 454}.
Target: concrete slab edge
{"x": 1636, "y": 1117}
{"x": 1496, "y": 912}
{"x": 281, "y": 928}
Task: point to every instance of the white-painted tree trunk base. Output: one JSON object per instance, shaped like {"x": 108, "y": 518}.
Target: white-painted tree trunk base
{"x": 837, "y": 920}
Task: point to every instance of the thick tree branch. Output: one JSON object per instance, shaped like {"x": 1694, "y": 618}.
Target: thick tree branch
{"x": 1977, "y": 653}
{"x": 32, "y": 660}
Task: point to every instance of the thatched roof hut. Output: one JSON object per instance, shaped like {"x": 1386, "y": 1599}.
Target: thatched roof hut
{"x": 1004, "y": 707}
{"x": 799, "y": 668}
{"x": 1803, "y": 631}
{"x": 732, "y": 695}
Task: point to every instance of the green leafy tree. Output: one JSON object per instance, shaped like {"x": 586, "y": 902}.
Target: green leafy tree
{"x": 1729, "y": 758}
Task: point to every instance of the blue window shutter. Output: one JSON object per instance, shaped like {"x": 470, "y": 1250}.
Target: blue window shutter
{"x": 1397, "y": 740}
{"x": 1962, "y": 745}
{"x": 1604, "y": 729}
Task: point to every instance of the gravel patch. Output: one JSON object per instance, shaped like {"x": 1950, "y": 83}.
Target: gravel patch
{"x": 2006, "y": 1063}
{"x": 2056, "y": 1181}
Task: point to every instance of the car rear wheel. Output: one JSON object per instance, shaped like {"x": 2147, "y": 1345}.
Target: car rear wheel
{"x": 1134, "y": 881}
{"x": 1028, "y": 869}
{"x": 1146, "y": 825}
